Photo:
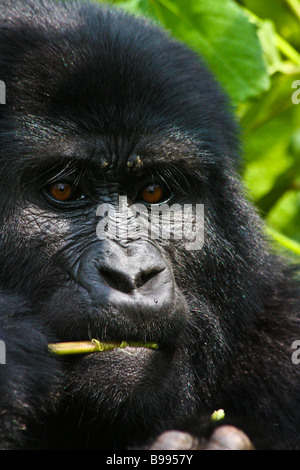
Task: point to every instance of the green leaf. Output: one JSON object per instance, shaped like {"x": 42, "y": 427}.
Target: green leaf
{"x": 222, "y": 33}
{"x": 267, "y": 36}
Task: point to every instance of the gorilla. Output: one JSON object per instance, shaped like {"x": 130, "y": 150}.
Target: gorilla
{"x": 103, "y": 108}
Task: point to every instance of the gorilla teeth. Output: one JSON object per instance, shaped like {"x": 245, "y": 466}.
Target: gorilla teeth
{"x": 84, "y": 347}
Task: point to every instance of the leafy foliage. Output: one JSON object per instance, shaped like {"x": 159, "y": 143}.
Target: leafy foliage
{"x": 253, "y": 48}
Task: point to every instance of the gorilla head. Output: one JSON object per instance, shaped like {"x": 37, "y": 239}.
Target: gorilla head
{"x": 102, "y": 107}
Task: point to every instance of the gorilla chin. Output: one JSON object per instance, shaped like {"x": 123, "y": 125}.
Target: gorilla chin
{"x": 128, "y": 371}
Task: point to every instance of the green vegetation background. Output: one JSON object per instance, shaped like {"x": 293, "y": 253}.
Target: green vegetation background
{"x": 253, "y": 46}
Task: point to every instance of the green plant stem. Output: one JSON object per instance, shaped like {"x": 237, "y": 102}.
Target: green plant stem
{"x": 284, "y": 47}
{"x": 284, "y": 241}
{"x": 85, "y": 347}
{"x": 287, "y": 49}
{"x": 294, "y": 6}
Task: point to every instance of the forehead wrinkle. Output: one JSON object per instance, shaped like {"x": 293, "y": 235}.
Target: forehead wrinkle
{"x": 56, "y": 143}
{"x": 171, "y": 149}
{"x": 46, "y": 150}
{"x": 52, "y": 136}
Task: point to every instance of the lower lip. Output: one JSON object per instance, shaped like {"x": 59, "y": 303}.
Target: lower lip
{"x": 132, "y": 350}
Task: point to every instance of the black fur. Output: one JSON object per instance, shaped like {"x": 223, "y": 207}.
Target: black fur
{"x": 89, "y": 90}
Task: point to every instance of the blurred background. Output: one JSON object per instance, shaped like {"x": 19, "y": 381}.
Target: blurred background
{"x": 253, "y": 47}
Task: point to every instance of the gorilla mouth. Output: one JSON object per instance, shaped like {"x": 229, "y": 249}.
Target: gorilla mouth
{"x": 85, "y": 347}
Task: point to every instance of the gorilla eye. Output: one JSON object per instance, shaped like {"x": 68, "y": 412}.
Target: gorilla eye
{"x": 61, "y": 191}
{"x": 152, "y": 194}
{"x": 64, "y": 192}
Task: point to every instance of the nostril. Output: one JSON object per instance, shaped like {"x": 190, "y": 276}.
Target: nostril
{"x": 144, "y": 276}
{"x": 117, "y": 280}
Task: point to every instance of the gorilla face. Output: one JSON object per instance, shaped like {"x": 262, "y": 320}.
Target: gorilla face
{"x": 103, "y": 106}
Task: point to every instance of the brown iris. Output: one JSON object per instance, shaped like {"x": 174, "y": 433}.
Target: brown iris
{"x": 61, "y": 191}
{"x": 152, "y": 193}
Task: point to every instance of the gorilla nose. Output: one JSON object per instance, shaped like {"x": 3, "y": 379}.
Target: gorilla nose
{"x": 135, "y": 278}
{"x": 129, "y": 277}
